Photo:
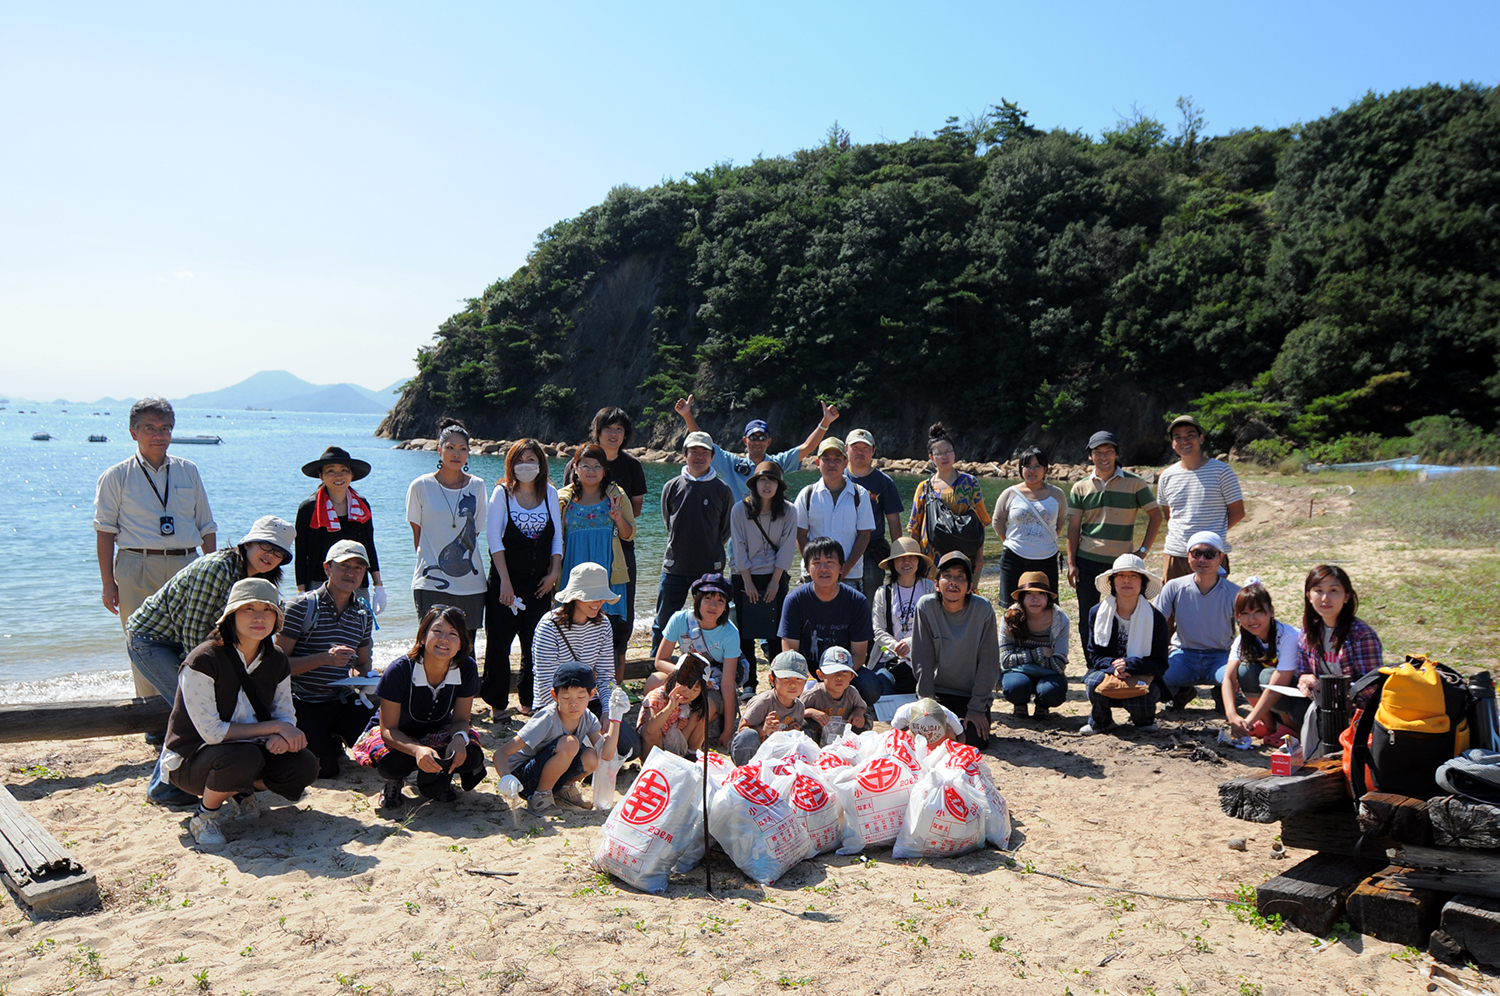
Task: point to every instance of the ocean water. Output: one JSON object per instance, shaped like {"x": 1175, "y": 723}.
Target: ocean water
{"x": 57, "y": 641}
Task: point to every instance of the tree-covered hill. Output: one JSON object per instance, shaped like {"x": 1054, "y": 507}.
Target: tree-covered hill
{"x": 1298, "y": 286}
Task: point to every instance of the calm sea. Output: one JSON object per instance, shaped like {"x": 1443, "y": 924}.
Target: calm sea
{"x": 57, "y": 641}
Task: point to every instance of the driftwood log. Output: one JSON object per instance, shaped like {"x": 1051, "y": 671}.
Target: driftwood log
{"x": 1268, "y": 798}
{"x": 1388, "y": 907}
{"x": 80, "y": 720}
{"x": 1450, "y": 869}
{"x": 42, "y": 875}
{"x": 1311, "y": 894}
{"x": 1460, "y": 823}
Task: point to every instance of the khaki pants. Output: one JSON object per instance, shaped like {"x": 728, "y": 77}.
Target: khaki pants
{"x": 139, "y": 576}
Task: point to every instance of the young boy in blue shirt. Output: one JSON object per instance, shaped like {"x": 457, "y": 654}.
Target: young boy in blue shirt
{"x": 560, "y": 744}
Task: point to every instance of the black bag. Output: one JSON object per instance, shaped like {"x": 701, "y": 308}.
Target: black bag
{"x": 948, "y": 530}
{"x": 1401, "y": 758}
{"x": 879, "y": 548}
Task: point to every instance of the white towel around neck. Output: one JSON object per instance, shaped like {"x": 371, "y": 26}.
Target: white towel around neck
{"x": 1142, "y": 622}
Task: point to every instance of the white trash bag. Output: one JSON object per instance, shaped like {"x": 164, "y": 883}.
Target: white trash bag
{"x": 874, "y": 792}
{"x": 757, "y": 825}
{"x": 946, "y": 815}
{"x": 813, "y": 800}
{"x": 657, "y": 827}
{"x": 784, "y": 743}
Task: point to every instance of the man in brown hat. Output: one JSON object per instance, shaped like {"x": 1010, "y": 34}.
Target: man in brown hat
{"x": 1197, "y": 493}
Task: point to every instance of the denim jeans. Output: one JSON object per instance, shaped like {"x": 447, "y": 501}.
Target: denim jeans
{"x": 671, "y": 593}
{"x": 1186, "y": 668}
{"x": 159, "y": 661}
{"x": 1020, "y": 684}
{"x": 871, "y": 684}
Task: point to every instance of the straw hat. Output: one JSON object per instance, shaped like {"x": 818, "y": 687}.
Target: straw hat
{"x": 905, "y": 546}
{"x": 1129, "y": 562}
{"x": 588, "y": 583}
{"x": 253, "y": 591}
{"x": 1034, "y": 581}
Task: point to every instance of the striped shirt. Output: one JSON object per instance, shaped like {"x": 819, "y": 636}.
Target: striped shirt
{"x": 590, "y": 643}
{"x": 1108, "y": 509}
{"x": 187, "y": 608}
{"x": 315, "y": 622}
{"x": 1197, "y": 499}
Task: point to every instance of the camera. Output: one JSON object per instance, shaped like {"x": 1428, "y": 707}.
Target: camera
{"x": 167, "y": 526}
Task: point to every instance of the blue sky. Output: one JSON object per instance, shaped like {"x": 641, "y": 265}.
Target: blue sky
{"x": 193, "y": 192}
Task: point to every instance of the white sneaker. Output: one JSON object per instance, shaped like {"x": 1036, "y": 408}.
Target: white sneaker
{"x": 1087, "y": 729}
{"x": 247, "y": 807}
{"x": 205, "y": 827}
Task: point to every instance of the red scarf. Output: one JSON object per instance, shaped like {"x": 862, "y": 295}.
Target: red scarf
{"x": 324, "y": 516}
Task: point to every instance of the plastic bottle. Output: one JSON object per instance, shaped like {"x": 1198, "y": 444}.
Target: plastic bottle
{"x": 1484, "y": 730}
{"x": 603, "y": 783}
{"x": 510, "y": 789}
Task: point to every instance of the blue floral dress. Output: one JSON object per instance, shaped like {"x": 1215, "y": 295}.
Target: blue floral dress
{"x": 588, "y": 537}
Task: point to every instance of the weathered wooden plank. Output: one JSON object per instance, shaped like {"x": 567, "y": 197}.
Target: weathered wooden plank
{"x": 1268, "y": 798}
{"x": 1446, "y": 858}
{"x": 1311, "y": 894}
{"x": 1400, "y": 817}
{"x": 1388, "y": 907}
{"x": 37, "y": 870}
{"x": 39, "y": 721}
{"x": 1335, "y": 831}
{"x": 1446, "y": 880}
{"x": 1473, "y": 922}
{"x": 1461, "y": 823}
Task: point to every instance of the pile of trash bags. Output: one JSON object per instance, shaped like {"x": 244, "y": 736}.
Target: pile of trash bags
{"x": 793, "y": 800}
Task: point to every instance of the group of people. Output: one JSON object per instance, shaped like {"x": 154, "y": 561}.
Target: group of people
{"x": 269, "y": 694}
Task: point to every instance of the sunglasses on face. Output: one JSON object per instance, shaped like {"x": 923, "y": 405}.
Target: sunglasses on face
{"x": 757, "y": 437}
{"x": 1203, "y": 554}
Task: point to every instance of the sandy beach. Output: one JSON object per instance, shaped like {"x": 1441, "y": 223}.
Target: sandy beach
{"x": 329, "y": 896}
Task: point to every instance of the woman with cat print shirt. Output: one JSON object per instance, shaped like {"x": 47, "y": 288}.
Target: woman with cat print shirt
{"x": 446, "y": 510}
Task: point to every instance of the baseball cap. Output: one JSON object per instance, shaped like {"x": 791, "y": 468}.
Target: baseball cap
{"x": 346, "y": 550}
{"x": 860, "y": 436}
{"x": 1186, "y": 420}
{"x": 1103, "y": 438}
{"x": 836, "y": 659}
{"x": 702, "y": 439}
{"x": 573, "y": 674}
{"x": 789, "y": 664}
{"x": 830, "y": 443}
{"x": 757, "y": 425}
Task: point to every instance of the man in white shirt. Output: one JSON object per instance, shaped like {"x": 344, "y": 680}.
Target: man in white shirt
{"x": 151, "y": 515}
{"x": 1196, "y": 494}
{"x": 835, "y": 506}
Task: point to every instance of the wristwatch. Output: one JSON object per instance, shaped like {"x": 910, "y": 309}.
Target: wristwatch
{"x": 1142, "y": 551}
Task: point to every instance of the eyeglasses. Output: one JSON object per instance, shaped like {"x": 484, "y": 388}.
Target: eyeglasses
{"x": 954, "y": 578}
{"x": 1203, "y": 554}
{"x": 154, "y": 430}
{"x": 1032, "y": 466}
{"x": 590, "y": 468}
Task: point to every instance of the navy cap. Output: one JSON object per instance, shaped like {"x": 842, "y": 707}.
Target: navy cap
{"x": 573, "y": 674}
{"x": 757, "y": 425}
{"x": 1103, "y": 438}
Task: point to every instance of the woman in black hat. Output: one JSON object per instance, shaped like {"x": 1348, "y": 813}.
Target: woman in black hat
{"x": 335, "y": 512}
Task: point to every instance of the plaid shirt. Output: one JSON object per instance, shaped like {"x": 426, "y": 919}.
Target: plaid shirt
{"x": 1360, "y": 654}
{"x": 188, "y": 606}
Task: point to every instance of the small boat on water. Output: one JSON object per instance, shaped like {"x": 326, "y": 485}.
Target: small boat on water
{"x": 96, "y": 438}
{"x": 199, "y": 440}
{"x": 41, "y": 437}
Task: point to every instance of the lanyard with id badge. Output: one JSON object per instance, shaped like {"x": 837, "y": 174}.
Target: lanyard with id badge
{"x": 168, "y": 525}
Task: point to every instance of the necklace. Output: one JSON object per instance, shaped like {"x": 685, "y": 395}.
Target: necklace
{"x": 452, "y": 512}
{"x": 905, "y": 612}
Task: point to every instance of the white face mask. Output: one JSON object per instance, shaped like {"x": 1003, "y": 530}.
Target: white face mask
{"x": 526, "y": 472}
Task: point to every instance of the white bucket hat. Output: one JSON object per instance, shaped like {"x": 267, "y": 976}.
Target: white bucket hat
{"x": 252, "y": 591}
{"x": 1129, "y": 562}
{"x": 588, "y": 583}
{"x": 278, "y": 532}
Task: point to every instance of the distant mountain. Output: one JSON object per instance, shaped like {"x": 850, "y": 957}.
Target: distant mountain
{"x": 282, "y": 391}
{"x": 112, "y": 402}
{"x": 348, "y": 399}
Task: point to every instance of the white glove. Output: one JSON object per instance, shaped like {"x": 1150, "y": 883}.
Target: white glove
{"x": 516, "y": 606}
{"x": 377, "y": 599}
{"x": 619, "y": 704}
{"x": 510, "y": 787}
